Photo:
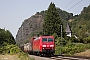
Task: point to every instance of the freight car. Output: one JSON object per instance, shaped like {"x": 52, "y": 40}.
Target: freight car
{"x": 27, "y": 47}
{"x": 43, "y": 45}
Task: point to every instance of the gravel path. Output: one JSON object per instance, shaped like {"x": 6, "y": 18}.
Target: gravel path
{"x": 39, "y": 58}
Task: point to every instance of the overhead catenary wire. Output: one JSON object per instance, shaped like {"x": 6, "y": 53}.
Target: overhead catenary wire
{"x": 68, "y": 3}
{"x": 74, "y": 5}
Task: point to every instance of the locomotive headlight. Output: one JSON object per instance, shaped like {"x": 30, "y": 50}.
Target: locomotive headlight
{"x": 51, "y": 45}
{"x": 44, "y": 45}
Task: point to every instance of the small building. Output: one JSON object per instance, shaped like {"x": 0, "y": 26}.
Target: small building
{"x": 68, "y": 31}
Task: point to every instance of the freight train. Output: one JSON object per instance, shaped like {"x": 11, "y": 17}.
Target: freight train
{"x": 43, "y": 45}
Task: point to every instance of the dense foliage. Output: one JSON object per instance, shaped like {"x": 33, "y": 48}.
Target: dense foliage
{"x": 72, "y": 48}
{"x": 7, "y": 45}
{"x": 81, "y": 25}
{"x": 6, "y": 37}
{"x": 69, "y": 46}
{"x": 64, "y": 15}
{"x": 9, "y": 49}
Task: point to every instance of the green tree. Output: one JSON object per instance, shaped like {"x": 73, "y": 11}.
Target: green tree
{"x": 52, "y": 21}
{"x": 10, "y": 39}
{"x": 6, "y": 37}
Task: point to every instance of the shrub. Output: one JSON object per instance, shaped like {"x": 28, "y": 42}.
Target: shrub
{"x": 13, "y": 49}
{"x": 9, "y": 49}
{"x": 72, "y": 48}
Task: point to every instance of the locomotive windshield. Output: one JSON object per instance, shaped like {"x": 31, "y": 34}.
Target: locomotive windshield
{"x": 44, "y": 39}
{"x": 47, "y": 40}
{"x": 50, "y": 39}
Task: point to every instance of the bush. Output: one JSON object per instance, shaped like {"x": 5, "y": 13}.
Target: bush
{"x": 72, "y": 48}
{"x": 13, "y": 49}
{"x": 9, "y": 49}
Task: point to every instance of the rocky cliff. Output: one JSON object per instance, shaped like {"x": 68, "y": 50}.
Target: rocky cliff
{"x": 29, "y": 28}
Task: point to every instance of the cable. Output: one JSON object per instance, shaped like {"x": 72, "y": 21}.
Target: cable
{"x": 74, "y": 5}
{"x": 68, "y": 3}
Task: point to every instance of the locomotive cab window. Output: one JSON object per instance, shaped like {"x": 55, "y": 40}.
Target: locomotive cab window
{"x": 47, "y": 40}
{"x": 44, "y": 39}
{"x": 50, "y": 40}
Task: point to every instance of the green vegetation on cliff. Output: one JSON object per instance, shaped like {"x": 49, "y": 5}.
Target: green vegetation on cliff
{"x": 81, "y": 25}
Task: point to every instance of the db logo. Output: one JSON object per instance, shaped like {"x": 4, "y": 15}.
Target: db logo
{"x": 47, "y": 45}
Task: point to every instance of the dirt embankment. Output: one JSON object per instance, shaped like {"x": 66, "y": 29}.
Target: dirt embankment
{"x": 85, "y": 53}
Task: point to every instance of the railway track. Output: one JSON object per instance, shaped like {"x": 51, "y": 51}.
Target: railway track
{"x": 64, "y": 57}
{"x": 60, "y": 57}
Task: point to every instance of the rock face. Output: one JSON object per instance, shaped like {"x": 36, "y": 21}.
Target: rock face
{"x": 29, "y": 28}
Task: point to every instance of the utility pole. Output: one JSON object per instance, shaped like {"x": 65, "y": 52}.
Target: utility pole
{"x": 61, "y": 34}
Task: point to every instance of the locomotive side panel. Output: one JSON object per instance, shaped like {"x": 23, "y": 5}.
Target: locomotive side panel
{"x": 36, "y": 44}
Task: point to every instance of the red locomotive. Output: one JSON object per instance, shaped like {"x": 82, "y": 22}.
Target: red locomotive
{"x": 43, "y": 45}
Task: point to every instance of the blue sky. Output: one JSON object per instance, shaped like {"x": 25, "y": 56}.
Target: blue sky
{"x": 14, "y": 12}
